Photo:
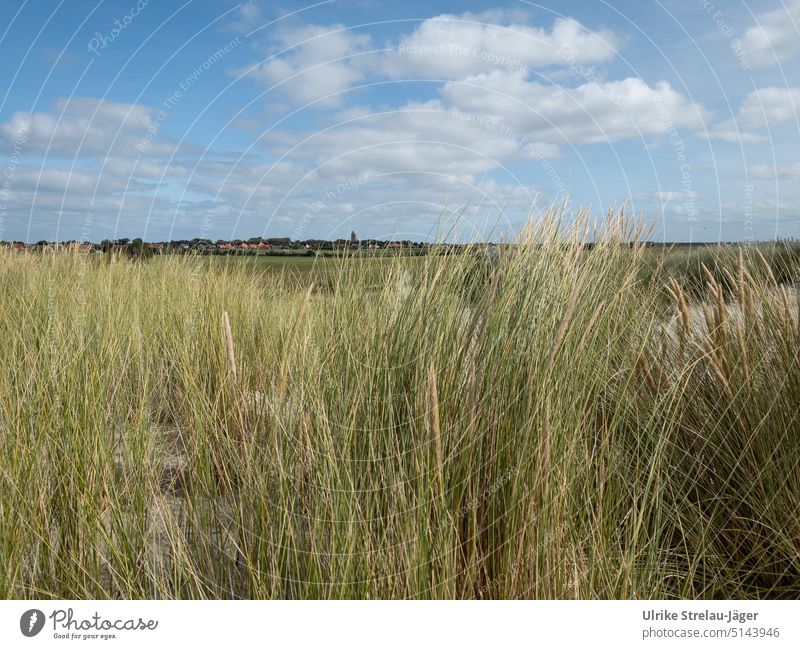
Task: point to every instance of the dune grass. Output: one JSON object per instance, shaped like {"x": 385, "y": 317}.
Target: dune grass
{"x": 547, "y": 423}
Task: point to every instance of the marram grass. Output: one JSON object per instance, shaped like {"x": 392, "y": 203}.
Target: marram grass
{"x": 545, "y": 422}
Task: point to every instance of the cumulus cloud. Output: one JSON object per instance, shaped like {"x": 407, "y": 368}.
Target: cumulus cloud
{"x": 458, "y": 46}
{"x": 313, "y": 63}
{"x": 761, "y": 109}
{"x": 427, "y": 137}
{"x": 487, "y": 121}
{"x": 85, "y": 126}
{"x": 592, "y": 112}
{"x": 770, "y": 107}
{"x": 316, "y": 63}
{"x": 775, "y": 37}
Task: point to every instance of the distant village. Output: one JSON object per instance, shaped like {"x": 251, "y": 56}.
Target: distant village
{"x": 254, "y": 245}
{"x": 275, "y": 246}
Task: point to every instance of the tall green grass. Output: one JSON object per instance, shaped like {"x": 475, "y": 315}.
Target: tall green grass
{"x": 539, "y": 424}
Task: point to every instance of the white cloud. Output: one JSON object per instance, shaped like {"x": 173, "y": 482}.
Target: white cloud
{"x": 458, "y": 46}
{"x": 592, "y": 112}
{"x": 771, "y": 172}
{"x": 427, "y": 137}
{"x": 86, "y": 126}
{"x": 776, "y": 36}
{"x": 762, "y": 108}
{"x": 314, "y": 63}
{"x": 770, "y": 107}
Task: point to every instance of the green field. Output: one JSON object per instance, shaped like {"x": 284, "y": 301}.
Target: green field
{"x": 550, "y": 422}
{"x": 299, "y": 266}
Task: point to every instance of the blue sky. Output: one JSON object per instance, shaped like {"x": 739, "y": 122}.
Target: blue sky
{"x": 215, "y": 119}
